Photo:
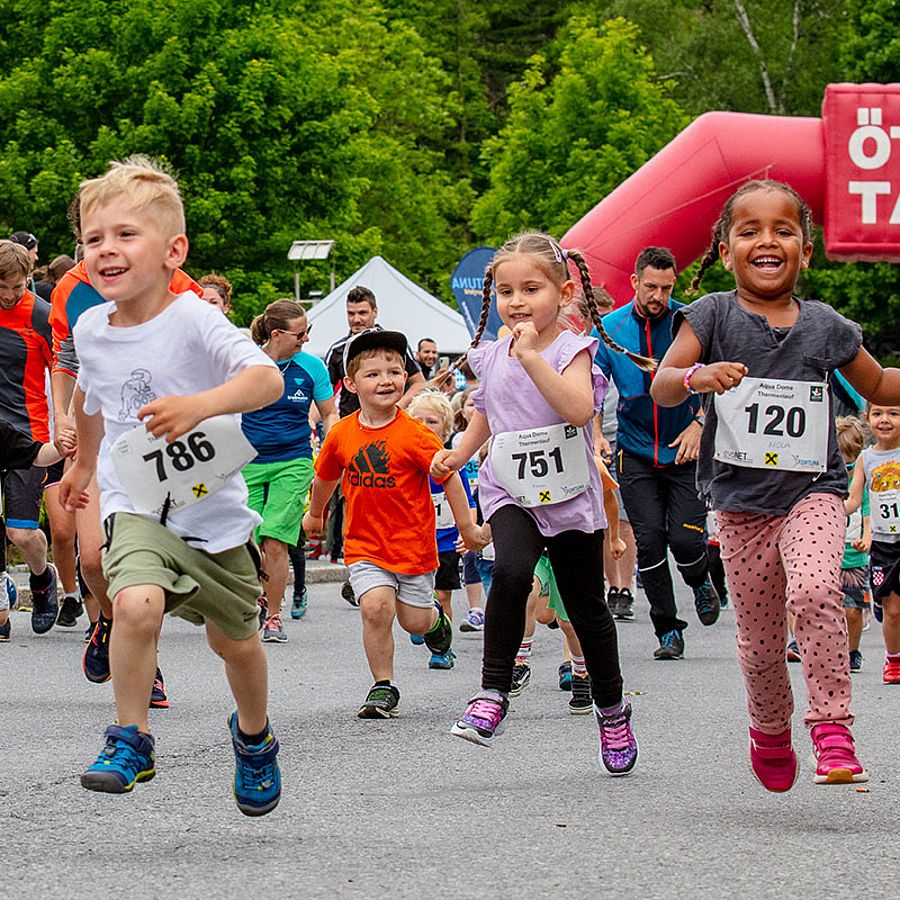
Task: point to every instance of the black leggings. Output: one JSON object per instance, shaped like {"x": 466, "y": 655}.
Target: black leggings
{"x": 577, "y": 560}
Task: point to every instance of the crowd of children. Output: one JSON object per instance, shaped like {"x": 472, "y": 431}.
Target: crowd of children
{"x": 502, "y": 491}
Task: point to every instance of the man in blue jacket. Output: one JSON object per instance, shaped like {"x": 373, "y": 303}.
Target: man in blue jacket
{"x": 657, "y": 452}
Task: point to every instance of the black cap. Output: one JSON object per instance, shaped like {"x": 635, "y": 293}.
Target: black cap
{"x": 374, "y": 339}
{"x": 25, "y": 238}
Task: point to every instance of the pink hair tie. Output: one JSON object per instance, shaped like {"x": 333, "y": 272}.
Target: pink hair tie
{"x": 689, "y": 375}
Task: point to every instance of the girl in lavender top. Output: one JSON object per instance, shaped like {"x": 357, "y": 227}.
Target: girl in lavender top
{"x": 539, "y": 487}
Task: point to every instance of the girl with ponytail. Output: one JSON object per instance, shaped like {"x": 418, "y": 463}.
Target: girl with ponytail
{"x": 538, "y": 487}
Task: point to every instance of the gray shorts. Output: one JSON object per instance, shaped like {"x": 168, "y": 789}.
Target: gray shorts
{"x": 413, "y": 590}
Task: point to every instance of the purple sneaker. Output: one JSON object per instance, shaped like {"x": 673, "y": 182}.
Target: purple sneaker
{"x": 618, "y": 747}
{"x": 482, "y": 719}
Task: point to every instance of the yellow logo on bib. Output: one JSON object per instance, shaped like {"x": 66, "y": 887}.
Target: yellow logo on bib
{"x": 771, "y": 459}
{"x": 544, "y": 496}
{"x": 200, "y": 490}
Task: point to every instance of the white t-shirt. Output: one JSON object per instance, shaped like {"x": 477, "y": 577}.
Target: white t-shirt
{"x": 189, "y": 347}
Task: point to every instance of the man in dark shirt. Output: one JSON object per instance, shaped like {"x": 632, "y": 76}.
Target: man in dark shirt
{"x": 426, "y": 355}
{"x": 362, "y": 312}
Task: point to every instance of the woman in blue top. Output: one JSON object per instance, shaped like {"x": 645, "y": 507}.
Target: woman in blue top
{"x": 279, "y": 477}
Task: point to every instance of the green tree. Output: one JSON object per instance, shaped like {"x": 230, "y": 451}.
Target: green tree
{"x": 572, "y": 137}
{"x": 283, "y": 120}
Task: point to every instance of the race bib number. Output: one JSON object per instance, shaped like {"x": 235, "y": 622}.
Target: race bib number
{"x": 884, "y": 512}
{"x": 541, "y": 466}
{"x": 767, "y": 423}
{"x": 184, "y": 472}
{"x": 443, "y": 516}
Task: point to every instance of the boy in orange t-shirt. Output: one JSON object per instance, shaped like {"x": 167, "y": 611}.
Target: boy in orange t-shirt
{"x": 384, "y": 456}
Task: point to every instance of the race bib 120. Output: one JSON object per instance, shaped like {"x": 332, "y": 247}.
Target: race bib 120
{"x": 541, "y": 466}
{"x": 769, "y": 423}
{"x": 184, "y": 472}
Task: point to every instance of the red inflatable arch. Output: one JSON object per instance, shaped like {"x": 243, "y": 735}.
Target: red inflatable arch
{"x": 840, "y": 164}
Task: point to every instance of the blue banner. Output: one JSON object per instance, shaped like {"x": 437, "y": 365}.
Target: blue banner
{"x": 467, "y": 283}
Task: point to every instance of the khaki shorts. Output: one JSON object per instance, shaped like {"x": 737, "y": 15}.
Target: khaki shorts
{"x": 222, "y": 588}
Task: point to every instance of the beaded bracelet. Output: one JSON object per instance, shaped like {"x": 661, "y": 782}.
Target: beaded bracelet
{"x": 689, "y": 375}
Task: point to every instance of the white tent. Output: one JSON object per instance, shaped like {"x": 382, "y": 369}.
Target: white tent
{"x": 402, "y": 306}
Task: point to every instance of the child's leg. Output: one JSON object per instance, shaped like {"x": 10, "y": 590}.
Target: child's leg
{"x": 812, "y": 545}
{"x": 854, "y": 626}
{"x": 620, "y": 572}
{"x": 90, "y": 540}
{"x": 377, "y": 608}
{"x": 890, "y": 626}
{"x": 62, "y": 539}
{"x": 518, "y": 545}
{"x": 246, "y": 668}
{"x": 748, "y": 544}
{"x": 445, "y": 598}
{"x": 138, "y": 613}
{"x": 275, "y": 565}
{"x": 577, "y": 560}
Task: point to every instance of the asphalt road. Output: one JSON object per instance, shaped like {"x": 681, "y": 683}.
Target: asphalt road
{"x": 400, "y": 808}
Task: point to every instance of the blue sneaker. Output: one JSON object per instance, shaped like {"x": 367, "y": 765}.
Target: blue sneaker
{"x": 706, "y": 602}
{"x": 442, "y": 660}
{"x": 95, "y": 662}
{"x": 299, "y": 604}
{"x": 565, "y": 676}
{"x": 127, "y": 758}
{"x": 417, "y": 639}
{"x": 44, "y": 605}
{"x": 671, "y": 646}
{"x": 257, "y": 778}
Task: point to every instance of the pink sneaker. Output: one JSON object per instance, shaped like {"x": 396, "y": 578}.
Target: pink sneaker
{"x": 836, "y": 761}
{"x": 773, "y": 761}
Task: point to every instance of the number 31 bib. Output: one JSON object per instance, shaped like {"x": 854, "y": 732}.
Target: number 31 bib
{"x": 541, "y": 465}
{"x": 184, "y": 472}
{"x": 770, "y": 423}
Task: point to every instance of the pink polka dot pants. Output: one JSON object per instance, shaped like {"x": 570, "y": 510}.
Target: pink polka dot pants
{"x": 781, "y": 564}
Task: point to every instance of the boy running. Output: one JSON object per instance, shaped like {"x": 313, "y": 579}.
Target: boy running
{"x": 390, "y": 547}
{"x": 168, "y": 362}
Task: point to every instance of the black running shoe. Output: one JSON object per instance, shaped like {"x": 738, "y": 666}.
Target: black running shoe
{"x": 348, "y": 595}
{"x": 95, "y": 662}
{"x": 44, "y": 605}
{"x": 625, "y": 612}
{"x": 671, "y": 646}
{"x": 521, "y": 676}
{"x": 581, "y": 702}
{"x": 612, "y": 601}
{"x": 381, "y": 703}
{"x": 438, "y": 640}
{"x": 159, "y": 697}
{"x": 69, "y": 612}
{"x": 706, "y": 602}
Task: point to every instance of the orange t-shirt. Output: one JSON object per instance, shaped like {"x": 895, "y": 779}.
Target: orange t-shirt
{"x": 389, "y": 512}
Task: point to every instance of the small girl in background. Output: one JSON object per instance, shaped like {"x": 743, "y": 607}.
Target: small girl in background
{"x": 851, "y": 437}
{"x": 770, "y": 464}
{"x": 464, "y": 408}
{"x": 432, "y": 409}
{"x": 878, "y": 471}
{"x": 539, "y": 488}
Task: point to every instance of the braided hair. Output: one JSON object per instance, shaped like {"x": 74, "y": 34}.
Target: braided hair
{"x": 723, "y": 224}
{"x": 555, "y": 261}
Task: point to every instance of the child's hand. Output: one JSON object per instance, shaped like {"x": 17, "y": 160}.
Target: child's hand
{"x": 73, "y": 488}
{"x": 524, "y": 339}
{"x": 442, "y": 464}
{"x": 313, "y": 525}
{"x": 475, "y": 537}
{"x": 718, "y": 377}
{"x": 66, "y": 442}
{"x": 617, "y": 548}
{"x": 172, "y": 416}
{"x": 863, "y": 544}
{"x": 460, "y": 546}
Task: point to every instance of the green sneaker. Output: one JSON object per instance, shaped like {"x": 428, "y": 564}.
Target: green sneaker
{"x": 381, "y": 703}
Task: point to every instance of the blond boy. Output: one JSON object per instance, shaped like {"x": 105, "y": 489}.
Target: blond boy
{"x": 167, "y": 362}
